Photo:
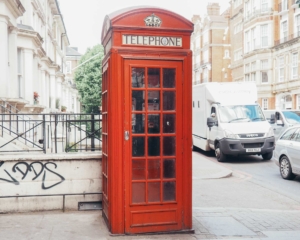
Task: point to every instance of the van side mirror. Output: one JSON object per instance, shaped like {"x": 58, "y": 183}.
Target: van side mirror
{"x": 272, "y": 120}
{"x": 211, "y": 122}
{"x": 280, "y": 123}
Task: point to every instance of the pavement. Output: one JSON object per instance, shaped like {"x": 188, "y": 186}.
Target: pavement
{"x": 208, "y": 223}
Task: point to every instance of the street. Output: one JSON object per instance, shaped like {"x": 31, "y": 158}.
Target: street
{"x": 254, "y": 202}
{"x": 255, "y": 183}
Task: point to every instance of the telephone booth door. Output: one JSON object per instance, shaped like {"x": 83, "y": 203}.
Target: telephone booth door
{"x": 153, "y": 145}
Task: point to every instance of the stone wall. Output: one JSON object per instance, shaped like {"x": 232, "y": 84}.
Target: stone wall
{"x": 49, "y": 174}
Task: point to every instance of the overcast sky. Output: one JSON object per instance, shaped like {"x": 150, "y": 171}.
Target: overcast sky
{"x": 84, "y": 19}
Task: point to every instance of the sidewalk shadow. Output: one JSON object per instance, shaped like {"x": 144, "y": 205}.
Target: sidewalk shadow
{"x": 205, "y": 153}
{"x": 253, "y": 159}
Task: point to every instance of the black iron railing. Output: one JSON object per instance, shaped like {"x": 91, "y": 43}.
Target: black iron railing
{"x": 53, "y": 133}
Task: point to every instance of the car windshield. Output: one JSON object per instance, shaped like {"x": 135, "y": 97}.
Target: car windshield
{"x": 292, "y": 117}
{"x": 241, "y": 113}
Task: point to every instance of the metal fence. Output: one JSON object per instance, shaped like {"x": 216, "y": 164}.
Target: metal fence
{"x": 50, "y": 133}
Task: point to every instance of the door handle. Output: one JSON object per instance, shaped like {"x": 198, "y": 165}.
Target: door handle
{"x": 126, "y": 135}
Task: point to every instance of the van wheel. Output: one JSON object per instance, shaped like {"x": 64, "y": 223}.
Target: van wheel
{"x": 221, "y": 157}
{"x": 286, "y": 169}
{"x": 267, "y": 156}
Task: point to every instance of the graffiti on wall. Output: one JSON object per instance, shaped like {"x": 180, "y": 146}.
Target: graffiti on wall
{"x": 36, "y": 167}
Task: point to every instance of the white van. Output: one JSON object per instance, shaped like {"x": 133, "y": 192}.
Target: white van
{"x": 280, "y": 120}
{"x": 227, "y": 119}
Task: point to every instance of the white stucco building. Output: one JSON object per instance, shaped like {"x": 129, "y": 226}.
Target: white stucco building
{"x": 33, "y": 56}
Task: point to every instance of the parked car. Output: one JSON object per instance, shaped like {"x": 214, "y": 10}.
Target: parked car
{"x": 287, "y": 153}
{"x": 280, "y": 120}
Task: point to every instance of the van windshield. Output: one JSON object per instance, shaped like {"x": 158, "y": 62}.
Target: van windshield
{"x": 292, "y": 117}
{"x": 240, "y": 113}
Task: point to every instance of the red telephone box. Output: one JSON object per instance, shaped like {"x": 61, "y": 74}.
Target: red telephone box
{"x": 147, "y": 119}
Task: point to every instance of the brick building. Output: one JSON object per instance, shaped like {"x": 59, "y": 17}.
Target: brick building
{"x": 211, "y": 46}
{"x": 263, "y": 41}
{"x": 268, "y": 52}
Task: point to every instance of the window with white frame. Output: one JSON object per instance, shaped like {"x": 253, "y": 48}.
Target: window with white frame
{"x": 68, "y": 66}
{"x": 253, "y": 66}
{"x": 264, "y": 35}
{"x": 264, "y": 5}
{"x": 198, "y": 77}
{"x": 238, "y": 27}
{"x": 294, "y": 65}
{"x": 264, "y": 72}
{"x": 238, "y": 54}
{"x": 205, "y": 37}
{"x": 226, "y": 54}
{"x": 205, "y": 55}
{"x": 253, "y": 37}
{"x": 298, "y": 101}
{"x": 247, "y": 68}
{"x": 265, "y": 103}
{"x": 247, "y": 77}
{"x": 284, "y": 5}
{"x": 205, "y": 75}
{"x": 281, "y": 69}
{"x": 237, "y": 3}
{"x": 264, "y": 77}
{"x": 253, "y": 77}
{"x": 247, "y": 9}
{"x": 247, "y": 38}
{"x": 297, "y": 23}
{"x": 264, "y": 64}
{"x": 20, "y": 72}
{"x": 284, "y": 31}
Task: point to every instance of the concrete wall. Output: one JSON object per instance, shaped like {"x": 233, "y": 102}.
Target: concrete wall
{"x": 49, "y": 174}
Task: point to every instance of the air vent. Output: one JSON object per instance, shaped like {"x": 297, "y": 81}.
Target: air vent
{"x": 85, "y": 206}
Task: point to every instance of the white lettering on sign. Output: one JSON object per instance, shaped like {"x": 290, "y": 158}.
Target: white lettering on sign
{"x": 152, "y": 41}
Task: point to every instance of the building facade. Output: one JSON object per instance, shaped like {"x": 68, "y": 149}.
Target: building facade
{"x": 268, "y": 52}
{"x": 286, "y": 52}
{"x": 34, "y": 42}
{"x": 70, "y": 93}
{"x": 264, "y": 46}
{"x": 210, "y": 43}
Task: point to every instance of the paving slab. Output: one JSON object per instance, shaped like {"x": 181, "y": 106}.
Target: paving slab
{"x": 282, "y": 235}
{"x": 225, "y": 226}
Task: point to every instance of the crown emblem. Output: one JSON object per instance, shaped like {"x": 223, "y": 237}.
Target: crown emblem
{"x": 152, "y": 21}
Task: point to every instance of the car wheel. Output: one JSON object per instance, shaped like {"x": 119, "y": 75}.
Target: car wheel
{"x": 221, "y": 157}
{"x": 285, "y": 168}
{"x": 267, "y": 156}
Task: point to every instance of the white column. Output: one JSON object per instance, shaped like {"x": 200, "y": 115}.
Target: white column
{"x": 59, "y": 92}
{"x": 47, "y": 91}
{"x": 35, "y": 75}
{"x": 52, "y": 90}
{"x": 3, "y": 56}
{"x": 13, "y": 64}
{"x": 28, "y": 75}
{"x": 43, "y": 88}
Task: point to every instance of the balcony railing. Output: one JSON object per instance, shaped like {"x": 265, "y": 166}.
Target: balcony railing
{"x": 205, "y": 61}
{"x": 257, "y": 13}
{"x": 287, "y": 38}
{"x": 196, "y": 66}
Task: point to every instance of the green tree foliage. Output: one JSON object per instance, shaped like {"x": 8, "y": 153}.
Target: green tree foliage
{"x": 88, "y": 78}
{"x": 298, "y": 2}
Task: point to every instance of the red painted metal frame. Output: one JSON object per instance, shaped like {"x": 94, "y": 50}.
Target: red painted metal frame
{"x": 117, "y": 150}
